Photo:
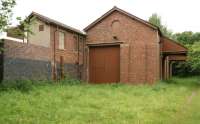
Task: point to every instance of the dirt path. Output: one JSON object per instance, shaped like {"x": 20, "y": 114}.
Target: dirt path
{"x": 189, "y": 99}
{"x": 179, "y": 115}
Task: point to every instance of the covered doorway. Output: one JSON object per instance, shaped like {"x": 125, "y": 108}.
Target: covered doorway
{"x": 167, "y": 64}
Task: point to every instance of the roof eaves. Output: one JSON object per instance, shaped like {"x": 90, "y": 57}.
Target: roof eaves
{"x": 174, "y": 52}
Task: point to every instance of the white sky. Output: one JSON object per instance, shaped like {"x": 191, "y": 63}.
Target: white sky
{"x": 177, "y": 15}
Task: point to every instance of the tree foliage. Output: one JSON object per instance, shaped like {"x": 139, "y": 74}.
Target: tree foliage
{"x": 156, "y": 20}
{"x": 24, "y": 26}
{"x": 5, "y": 13}
{"x": 194, "y": 56}
{"x": 192, "y": 65}
{"x": 192, "y": 42}
{"x": 189, "y": 39}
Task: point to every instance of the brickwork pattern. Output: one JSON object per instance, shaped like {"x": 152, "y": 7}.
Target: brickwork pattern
{"x": 143, "y": 51}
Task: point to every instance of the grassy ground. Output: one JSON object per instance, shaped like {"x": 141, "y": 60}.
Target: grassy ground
{"x": 173, "y": 102}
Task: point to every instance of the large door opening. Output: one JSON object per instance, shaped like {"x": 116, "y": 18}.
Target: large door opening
{"x": 104, "y": 64}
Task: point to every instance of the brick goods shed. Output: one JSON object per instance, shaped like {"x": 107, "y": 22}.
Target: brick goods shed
{"x": 124, "y": 48}
{"x": 117, "y": 47}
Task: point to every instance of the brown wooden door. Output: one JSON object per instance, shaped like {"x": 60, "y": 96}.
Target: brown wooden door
{"x": 104, "y": 64}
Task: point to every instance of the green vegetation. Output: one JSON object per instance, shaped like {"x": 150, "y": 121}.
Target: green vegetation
{"x": 155, "y": 19}
{"x": 72, "y": 102}
{"x": 6, "y": 7}
{"x": 192, "y": 65}
{"x": 190, "y": 40}
{"x": 6, "y": 13}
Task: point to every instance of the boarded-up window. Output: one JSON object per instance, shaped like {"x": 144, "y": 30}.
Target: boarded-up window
{"x": 81, "y": 41}
{"x": 41, "y": 27}
{"x": 61, "y": 40}
{"x": 76, "y": 42}
{"x": 116, "y": 29}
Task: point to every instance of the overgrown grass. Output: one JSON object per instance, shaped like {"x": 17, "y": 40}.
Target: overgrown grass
{"x": 75, "y": 102}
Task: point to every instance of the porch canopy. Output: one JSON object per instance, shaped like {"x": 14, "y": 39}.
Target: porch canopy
{"x": 171, "y": 51}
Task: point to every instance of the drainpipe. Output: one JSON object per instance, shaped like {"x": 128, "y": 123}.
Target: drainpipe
{"x": 78, "y": 69}
{"x": 54, "y": 55}
{"x": 83, "y": 58}
{"x": 161, "y": 59}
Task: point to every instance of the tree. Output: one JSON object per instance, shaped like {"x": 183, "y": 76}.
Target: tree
{"x": 187, "y": 37}
{"x": 6, "y": 7}
{"x": 6, "y": 13}
{"x": 194, "y": 56}
{"x": 156, "y": 20}
{"x": 192, "y": 42}
{"x": 24, "y": 26}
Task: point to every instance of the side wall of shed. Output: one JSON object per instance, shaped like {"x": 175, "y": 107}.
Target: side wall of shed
{"x": 72, "y": 53}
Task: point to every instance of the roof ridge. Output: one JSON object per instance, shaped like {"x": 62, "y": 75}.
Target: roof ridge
{"x": 115, "y": 8}
{"x": 50, "y": 20}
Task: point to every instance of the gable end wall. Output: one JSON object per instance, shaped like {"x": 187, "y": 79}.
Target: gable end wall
{"x": 139, "y": 52}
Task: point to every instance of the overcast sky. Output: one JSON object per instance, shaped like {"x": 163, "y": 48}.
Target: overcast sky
{"x": 177, "y": 15}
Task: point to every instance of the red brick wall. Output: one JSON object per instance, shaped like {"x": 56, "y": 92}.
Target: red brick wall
{"x": 34, "y": 52}
{"x": 70, "y": 53}
{"x": 25, "y": 61}
{"x": 140, "y": 48}
{"x": 26, "y": 51}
